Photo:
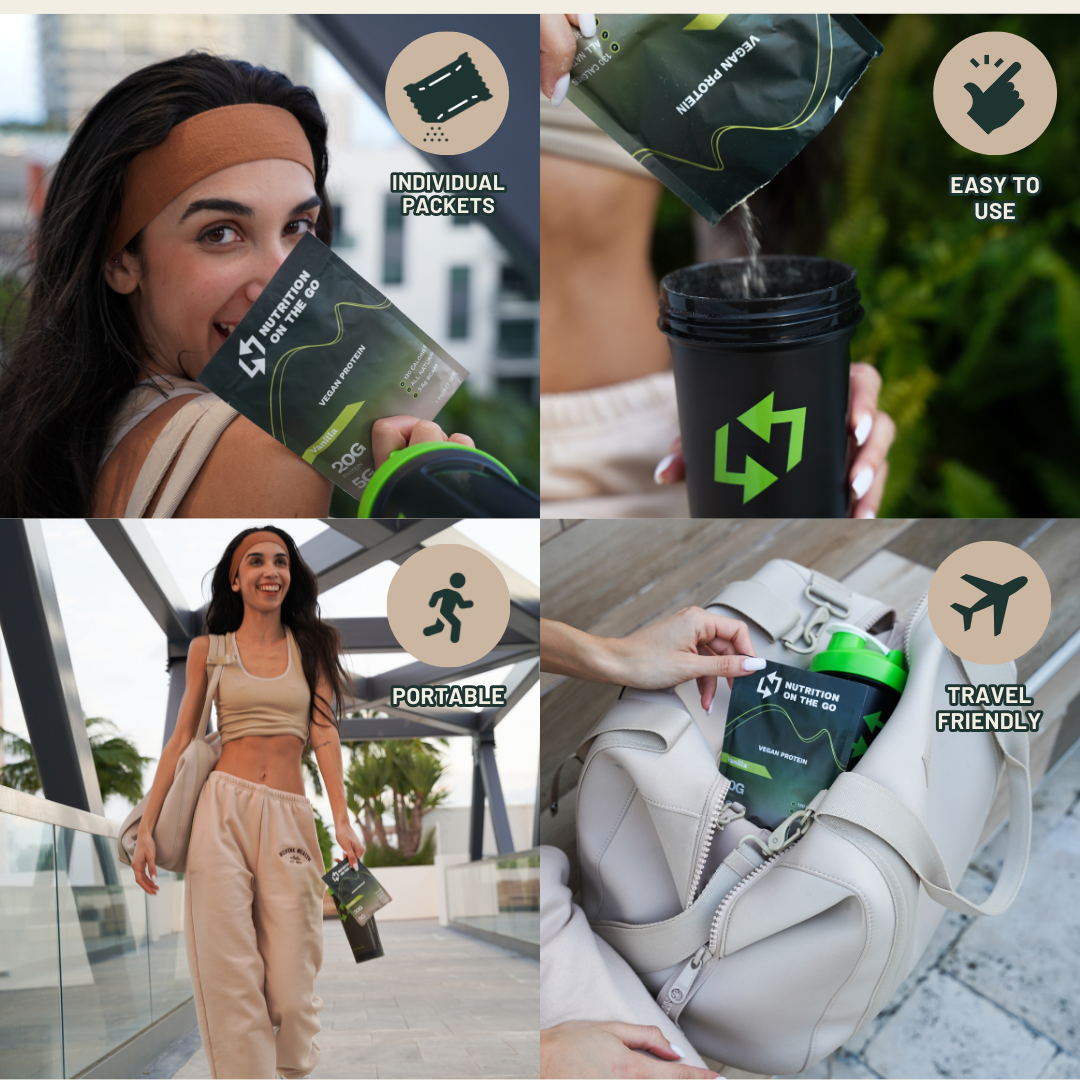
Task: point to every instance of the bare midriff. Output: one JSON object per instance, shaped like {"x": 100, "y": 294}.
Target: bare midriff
{"x": 273, "y": 760}
{"x": 598, "y": 295}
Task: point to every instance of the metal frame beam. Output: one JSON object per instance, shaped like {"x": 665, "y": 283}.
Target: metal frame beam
{"x": 131, "y": 547}
{"x": 41, "y": 663}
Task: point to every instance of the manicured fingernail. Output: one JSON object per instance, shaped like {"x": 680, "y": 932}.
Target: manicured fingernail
{"x": 753, "y": 663}
{"x": 708, "y": 712}
{"x": 868, "y": 514}
{"x": 661, "y": 468}
{"x": 676, "y": 1049}
{"x": 587, "y": 26}
{"x": 153, "y": 877}
{"x": 558, "y": 95}
{"x": 861, "y": 484}
{"x": 862, "y": 428}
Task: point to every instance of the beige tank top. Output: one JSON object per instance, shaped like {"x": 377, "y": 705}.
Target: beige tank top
{"x": 250, "y": 705}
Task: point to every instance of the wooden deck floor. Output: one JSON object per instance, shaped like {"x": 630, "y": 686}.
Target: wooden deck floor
{"x": 612, "y": 577}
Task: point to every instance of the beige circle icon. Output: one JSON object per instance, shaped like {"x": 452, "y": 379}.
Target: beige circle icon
{"x": 995, "y": 93}
{"x": 448, "y": 605}
{"x": 989, "y": 602}
{"x": 447, "y": 93}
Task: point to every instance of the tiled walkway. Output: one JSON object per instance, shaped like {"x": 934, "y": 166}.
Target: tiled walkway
{"x": 439, "y": 1004}
{"x": 995, "y": 996}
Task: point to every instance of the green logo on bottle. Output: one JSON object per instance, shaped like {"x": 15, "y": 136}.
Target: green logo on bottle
{"x": 759, "y": 418}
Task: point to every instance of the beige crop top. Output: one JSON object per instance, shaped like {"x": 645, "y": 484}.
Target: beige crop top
{"x": 250, "y": 705}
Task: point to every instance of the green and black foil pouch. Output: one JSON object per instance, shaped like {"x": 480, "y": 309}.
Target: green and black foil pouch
{"x": 357, "y": 890}
{"x": 716, "y": 105}
{"x": 789, "y": 734}
{"x": 321, "y": 356}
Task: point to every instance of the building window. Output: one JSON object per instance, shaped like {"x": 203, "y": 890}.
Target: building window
{"x": 459, "y": 301}
{"x": 517, "y": 339}
{"x": 512, "y": 282}
{"x": 393, "y": 242}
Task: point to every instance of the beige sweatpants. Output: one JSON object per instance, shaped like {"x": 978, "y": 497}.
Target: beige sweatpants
{"x": 254, "y": 928}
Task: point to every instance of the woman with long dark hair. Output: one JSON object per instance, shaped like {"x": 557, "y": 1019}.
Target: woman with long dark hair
{"x": 181, "y": 193}
{"x": 254, "y": 872}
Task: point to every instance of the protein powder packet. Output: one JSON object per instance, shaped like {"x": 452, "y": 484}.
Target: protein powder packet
{"x": 789, "y": 734}
{"x": 357, "y": 890}
{"x": 322, "y": 355}
{"x": 716, "y": 105}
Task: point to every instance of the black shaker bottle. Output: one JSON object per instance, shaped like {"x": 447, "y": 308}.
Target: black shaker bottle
{"x": 762, "y": 385}
{"x": 363, "y": 940}
{"x": 885, "y": 673}
{"x": 445, "y": 479}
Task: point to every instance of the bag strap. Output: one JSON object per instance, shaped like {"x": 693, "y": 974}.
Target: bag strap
{"x": 203, "y": 438}
{"x": 860, "y": 801}
{"x": 217, "y": 659}
{"x": 656, "y": 946}
{"x": 782, "y": 621}
{"x": 168, "y": 445}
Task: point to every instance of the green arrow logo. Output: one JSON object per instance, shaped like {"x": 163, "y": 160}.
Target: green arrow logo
{"x": 859, "y": 748}
{"x": 874, "y": 721}
{"x": 759, "y": 419}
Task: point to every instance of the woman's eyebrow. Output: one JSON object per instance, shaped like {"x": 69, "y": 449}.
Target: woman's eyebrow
{"x": 224, "y": 206}
{"x": 311, "y": 203}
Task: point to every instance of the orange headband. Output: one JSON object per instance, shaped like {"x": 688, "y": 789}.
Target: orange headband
{"x": 248, "y": 543}
{"x": 200, "y": 146}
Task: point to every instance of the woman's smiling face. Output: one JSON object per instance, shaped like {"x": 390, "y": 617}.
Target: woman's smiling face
{"x": 262, "y": 578}
{"x": 204, "y": 260}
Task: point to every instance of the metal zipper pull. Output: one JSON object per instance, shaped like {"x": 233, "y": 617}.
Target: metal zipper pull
{"x": 680, "y": 988}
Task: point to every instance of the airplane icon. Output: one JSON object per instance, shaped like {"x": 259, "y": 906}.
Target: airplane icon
{"x": 998, "y": 595}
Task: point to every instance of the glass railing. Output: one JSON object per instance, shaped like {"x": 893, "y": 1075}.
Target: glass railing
{"x": 499, "y": 897}
{"x": 87, "y": 959}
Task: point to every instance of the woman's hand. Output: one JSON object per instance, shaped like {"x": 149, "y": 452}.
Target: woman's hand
{"x": 691, "y": 644}
{"x": 397, "y": 432}
{"x": 144, "y": 863}
{"x": 872, "y": 431}
{"x": 351, "y": 845}
{"x": 580, "y": 1048}
{"x": 557, "y": 48}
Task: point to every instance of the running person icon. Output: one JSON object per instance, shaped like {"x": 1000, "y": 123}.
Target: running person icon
{"x": 450, "y": 600}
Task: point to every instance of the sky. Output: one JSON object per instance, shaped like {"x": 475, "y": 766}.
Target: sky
{"x": 118, "y": 652}
{"x": 21, "y": 95}
{"x": 22, "y": 98}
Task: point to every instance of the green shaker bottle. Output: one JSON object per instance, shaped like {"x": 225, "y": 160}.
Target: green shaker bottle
{"x": 850, "y": 655}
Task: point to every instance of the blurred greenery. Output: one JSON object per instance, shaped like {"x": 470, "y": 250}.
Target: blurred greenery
{"x": 117, "y": 762}
{"x": 506, "y": 425}
{"x": 974, "y": 326}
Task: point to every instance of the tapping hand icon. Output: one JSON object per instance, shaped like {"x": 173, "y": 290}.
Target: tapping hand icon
{"x": 998, "y": 104}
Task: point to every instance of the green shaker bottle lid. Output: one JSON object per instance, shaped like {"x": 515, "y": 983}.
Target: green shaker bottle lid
{"x": 847, "y": 654}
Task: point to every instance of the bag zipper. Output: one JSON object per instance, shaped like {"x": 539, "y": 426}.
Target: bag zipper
{"x": 783, "y": 836}
{"x": 721, "y": 814}
{"x": 919, "y": 608}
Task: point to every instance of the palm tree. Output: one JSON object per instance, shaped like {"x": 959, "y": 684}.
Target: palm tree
{"x": 405, "y": 770}
{"x": 118, "y": 764}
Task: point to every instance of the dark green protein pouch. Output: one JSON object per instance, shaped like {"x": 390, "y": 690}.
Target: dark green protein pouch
{"x": 789, "y": 734}
{"x": 716, "y": 105}
{"x": 320, "y": 356}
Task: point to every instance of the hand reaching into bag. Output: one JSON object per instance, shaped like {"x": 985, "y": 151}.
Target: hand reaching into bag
{"x": 691, "y": 644}
{"x": 581, "y": 1048}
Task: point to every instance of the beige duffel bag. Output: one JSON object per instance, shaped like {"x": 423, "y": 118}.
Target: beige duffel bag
{"x": 771, "y": 950}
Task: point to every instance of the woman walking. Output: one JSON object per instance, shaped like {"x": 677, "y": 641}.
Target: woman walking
{"x": 254, "y": 870}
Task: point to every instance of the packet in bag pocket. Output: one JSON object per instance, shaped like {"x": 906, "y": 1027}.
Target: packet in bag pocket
{"x": 788, "y": 735}
{"x": 716, "y": 105}
{"x": 321, "y": 356}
